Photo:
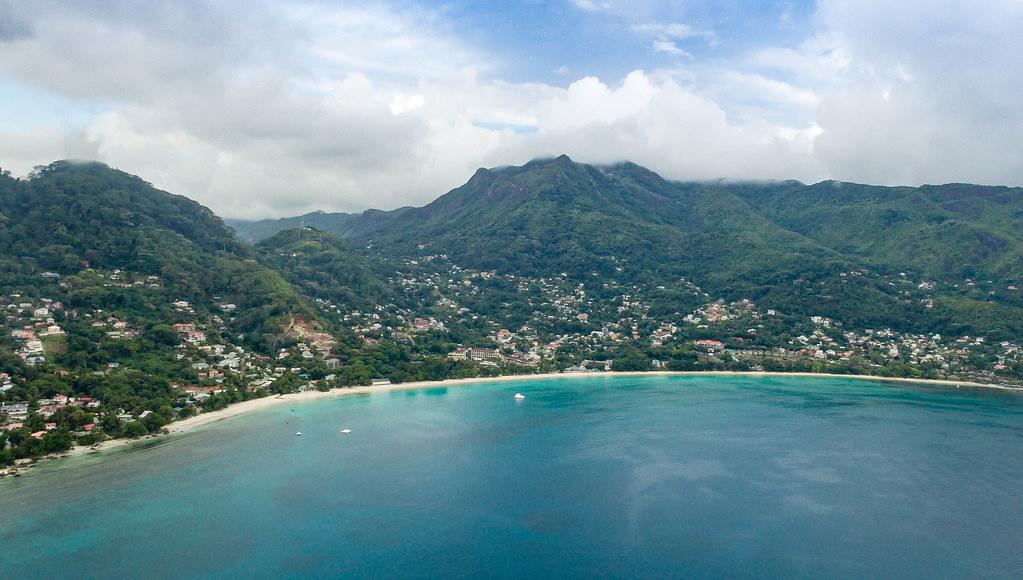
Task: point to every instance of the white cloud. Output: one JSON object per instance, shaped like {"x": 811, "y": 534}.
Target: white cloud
{"x": 666, "y": 35}
{"x": 927, "y": 92}
{"x": 593, "y": 5}
{"x": 403, "y": 104}
{"x": 676, "y": 30}
{"x": 669, "y": 47}
{"x": 260, "y": 109}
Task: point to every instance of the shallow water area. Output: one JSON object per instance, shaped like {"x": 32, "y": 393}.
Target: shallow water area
{"x": 612, "y": 476}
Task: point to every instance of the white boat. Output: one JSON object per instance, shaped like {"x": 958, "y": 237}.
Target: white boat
{"x": 346, "y": 431}
{"x": 299, "y": 434}
{"x": 519, "y": 396}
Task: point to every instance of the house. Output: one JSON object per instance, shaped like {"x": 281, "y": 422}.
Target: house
{"x": 14, "y": 411}
{"x": 49, "y": 410}
{"x": 708, "y": 344}
{"x": 333, "y": 363}
{"x": 599, "y": 365}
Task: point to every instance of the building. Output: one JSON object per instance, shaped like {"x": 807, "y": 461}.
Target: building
{"x": 711, "y": 345}
{"x": 484, "y": 354}
{"x": 14, "y": 411}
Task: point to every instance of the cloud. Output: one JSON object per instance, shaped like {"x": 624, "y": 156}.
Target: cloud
{"x": 926, "y": 92}
{"x": 266, "y": 109}
{"x": 657, "y": 122}
{"x": 674, "y": 30}
{"x": 669, "y": 47}
{"x": 666, "y": 35}
{"x": 593, "y": 5}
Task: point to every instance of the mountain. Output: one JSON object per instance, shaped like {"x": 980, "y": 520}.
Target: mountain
{"x": 946, "y": 232}
{"x": 342, "y": 225}
{"x": 323, "y": 266}
{"x": 791, "y": 246}
{"x": 71, "y": 218}
{"x": 255, "y": 231}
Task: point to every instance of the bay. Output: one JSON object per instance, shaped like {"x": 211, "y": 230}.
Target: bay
{"x": 600, "y": 476}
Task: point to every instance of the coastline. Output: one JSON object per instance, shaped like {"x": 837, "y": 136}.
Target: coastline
{"x": 195, "y": 422}
{"x": 192, "y": 423}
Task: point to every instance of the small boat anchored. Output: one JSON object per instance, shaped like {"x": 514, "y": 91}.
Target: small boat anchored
{"x": 346, "y": 431}
{"x": 298, "y": 434}
{"x": 519, "y": 396}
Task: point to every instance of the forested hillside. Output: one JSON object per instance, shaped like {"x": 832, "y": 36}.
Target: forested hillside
{"x": 783, "y": 244}
{"x": 73, "y": 217}
{"x": 323, "y": 266}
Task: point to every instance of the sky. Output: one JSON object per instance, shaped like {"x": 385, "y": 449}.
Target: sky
{"x": 266, "y": 108}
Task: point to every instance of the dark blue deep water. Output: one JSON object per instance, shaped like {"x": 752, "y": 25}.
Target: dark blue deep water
{"x": 619, "y": 477}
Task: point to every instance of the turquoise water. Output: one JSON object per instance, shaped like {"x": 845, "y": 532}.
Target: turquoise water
{"x": 619, "y": 477}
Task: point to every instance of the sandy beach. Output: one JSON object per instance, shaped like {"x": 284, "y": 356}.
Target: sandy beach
{"x": 198, "y": 421}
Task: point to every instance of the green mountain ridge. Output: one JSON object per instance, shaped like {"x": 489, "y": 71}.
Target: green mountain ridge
{"x": 323, "y": 266}
{"x": 785, "y": 243}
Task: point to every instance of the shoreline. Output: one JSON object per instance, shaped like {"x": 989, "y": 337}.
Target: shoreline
{"x": 193, "y": 423}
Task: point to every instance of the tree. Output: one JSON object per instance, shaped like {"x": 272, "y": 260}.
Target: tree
{"x": 631, "y": 360}
{"x": 135, "y": 429}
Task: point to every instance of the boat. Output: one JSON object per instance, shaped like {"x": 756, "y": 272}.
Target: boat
{"x": 346, "y": 431}
{"x": 519, "y": 396}
{"x": 299, "y": 434}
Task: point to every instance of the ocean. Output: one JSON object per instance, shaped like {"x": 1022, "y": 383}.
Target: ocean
{"x": 622, "y": 477}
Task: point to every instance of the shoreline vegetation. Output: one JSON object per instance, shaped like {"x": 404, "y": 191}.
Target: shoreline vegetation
{"x": 193, "y": 423}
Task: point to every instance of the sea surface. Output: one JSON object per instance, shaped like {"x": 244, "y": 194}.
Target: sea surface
{"x": 604, "y": 476}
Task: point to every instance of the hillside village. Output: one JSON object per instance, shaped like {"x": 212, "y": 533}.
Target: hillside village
{"x": 571, "y": 327}
{"x": 482, "y": 322}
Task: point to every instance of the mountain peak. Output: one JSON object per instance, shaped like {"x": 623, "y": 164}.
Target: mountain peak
{"x": 559, "y": 161}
